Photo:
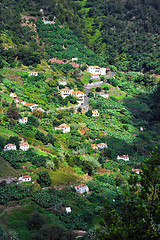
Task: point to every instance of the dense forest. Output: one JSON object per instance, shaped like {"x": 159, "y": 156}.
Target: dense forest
{"x": 38, "y": 42}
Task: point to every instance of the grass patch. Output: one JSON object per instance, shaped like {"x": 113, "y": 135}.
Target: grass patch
{"x": 6, "y": 170}
{"x": 86, "y": 77}
{"x": 64, "y": 176}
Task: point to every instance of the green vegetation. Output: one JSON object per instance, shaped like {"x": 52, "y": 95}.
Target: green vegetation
{"x": 123, "y": 195}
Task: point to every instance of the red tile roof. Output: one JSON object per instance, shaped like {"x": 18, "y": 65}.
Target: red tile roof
{"x": 26, "y": 177}
{"x": 30, "y": 104}
{"x": 124, "y": 156}
{"x": 81, "y": 185}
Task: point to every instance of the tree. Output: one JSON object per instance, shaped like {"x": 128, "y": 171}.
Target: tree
{"x": 13, "y": 111}
{"x": 33, "y": 121}
{"x": 36, "y": 221}
{"x": 89, "y": 113}
{"x": 139, "y": 218}
{"x": 98, "y": 89}
{"x": 90, "y": 95}
{"x": 44, "y": 179}
{"x": 79, "y": 110}
{"x": 1, "y": 63}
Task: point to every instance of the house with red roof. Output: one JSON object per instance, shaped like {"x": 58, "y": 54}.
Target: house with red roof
{"x": 24, "y": 179}
{"x": 95, "y": 113}
{"x": 95, "y": 76}
{"x": 102, "y": 145}
{"x": 32, "y": 106}
{"x": 99, "y": 146}
{"x": 82, "y": 188}
{"x": 65, "y": 92}
{"x": 13, "y": 95}
{"x": 23, "y": 120}
{"x": 64, "y": 127}
{"x": 24, "y": 146}
{"x": 136, "y": 170}
{"x": 10, "y": 146}
{"x": 78, "y": 94}
{"x": 94, "y": 146}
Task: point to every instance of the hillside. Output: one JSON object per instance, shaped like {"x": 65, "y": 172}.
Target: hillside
{"x": 79, "y": 120}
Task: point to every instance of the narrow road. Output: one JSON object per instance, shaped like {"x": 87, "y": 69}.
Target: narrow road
{"x": 87, "y": 90}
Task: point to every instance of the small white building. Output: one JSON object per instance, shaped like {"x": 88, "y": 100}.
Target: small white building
{"x": 64, "y": 83}
{"x": 64, "y": 127}
{"x": 32, "y": 106}
{"x": 66, "y": 92}
{"x": 10, "y": 146}
{"x": 123, "y": 157}
{"x": 24, "y": 146}
{"x": 95, "y": 76}
{"x": 13, "y": 95}
{"x": 82, "y": 188}
{"x": 102, "y": 145}
{"x": 96, "y": 70}
{"x": 24, "y": 179}
{"x": 19, "y": 101}
{"x": 104, "y": 95}
{"x": 68, "y": 210}
{"x": 33, "y": 73}
{"x": 78, "y": 94}
{"x": 23, "y": 120}
{"x": 74, "y": 59}
{"x": 95, "y": 113}
{"x": 136, "y": 170}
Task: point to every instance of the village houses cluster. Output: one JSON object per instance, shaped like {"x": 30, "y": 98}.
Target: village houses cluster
{"x": 22, "y": 145}
{"x": 32, "y": 106}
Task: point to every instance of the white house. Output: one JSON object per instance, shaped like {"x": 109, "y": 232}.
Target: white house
{"x": 95, "y": 76}
{"x": 104, "y": 95}
{"x": 24, "y": 146}
{"x": 68, "y": 210}
{"x": 32, "y": 106}
{"x": 62, "y": 83}
{"x": 13, "y": 95}
{"x": 65, "y": 92}
{"x": 33, "y": 73}
{"x": 102, "y": 145}
{"x": 23, "y": 120}
{"x": 94, "y": 146}
{"x": 24, "y": 179}
{"x": 136, "y": 170}
{"x": 78, "y": 94}
{"x": 141, "y": 129}
{"x": 82, "y": 188}
{"x": 64, "y": 127}
{"x": 96, "y": 70}
{"x": 95, "y": 113}
{"x": 123, "y": 157}
{"x": 10, "y": 146}
{"x": 74, "y": 59}
{"x": 18, "y": 101}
